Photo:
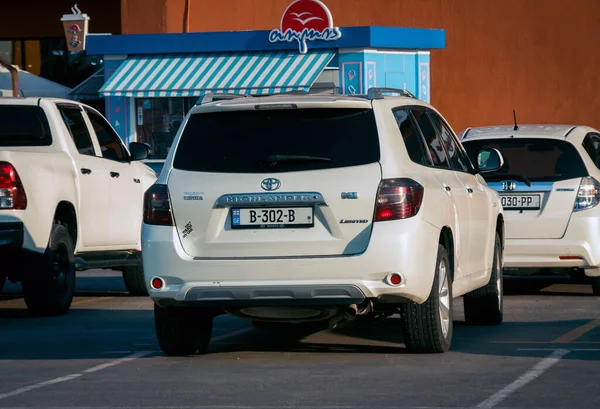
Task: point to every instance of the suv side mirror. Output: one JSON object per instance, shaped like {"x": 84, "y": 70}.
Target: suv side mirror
{"x": 489, "y": 160}
{"x": 138, "y": 150}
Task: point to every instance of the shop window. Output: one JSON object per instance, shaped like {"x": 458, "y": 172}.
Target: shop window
{"x": 110, "y": 143}
{"x": 158, "y": 120}
{"x": 50, "y": 59}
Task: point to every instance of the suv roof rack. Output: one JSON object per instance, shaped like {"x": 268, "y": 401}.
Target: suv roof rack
{"x": 377, "y": 93}
{"x": 220, "y": 96}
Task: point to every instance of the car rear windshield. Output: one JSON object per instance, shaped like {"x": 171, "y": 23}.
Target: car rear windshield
{"x": 24, "y": 125}
{"x": 283, "y": 140}
{"x": 542, "y": 160}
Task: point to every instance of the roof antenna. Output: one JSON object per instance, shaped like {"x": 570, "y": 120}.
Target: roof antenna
{"x": 516, "y": 128}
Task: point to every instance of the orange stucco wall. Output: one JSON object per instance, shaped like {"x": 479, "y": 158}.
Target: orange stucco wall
{"x": 536, "y": 56}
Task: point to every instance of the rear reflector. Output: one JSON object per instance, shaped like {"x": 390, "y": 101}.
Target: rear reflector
{"x": 157, "y": 283}
{"x": 398, "y": 199}
{"x": 157, "y": 206}
{"x": 12, "y": 193}
{"x": 570, "y": 258}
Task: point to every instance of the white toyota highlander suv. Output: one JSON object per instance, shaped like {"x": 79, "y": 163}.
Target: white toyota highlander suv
{"x": 296, "y": 208}
{"x": 550, "y": 189}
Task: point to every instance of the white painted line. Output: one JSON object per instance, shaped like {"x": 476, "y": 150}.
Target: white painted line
{"x": 524, "y": 379}
{"x": 38, "y": 385}
{"x": 230, "y": 334}
{"x": 118, "y": 361}
{"x": 73, "y": 376}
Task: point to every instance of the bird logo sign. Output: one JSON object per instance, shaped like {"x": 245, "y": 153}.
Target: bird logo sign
{"x": 306, "y": 20}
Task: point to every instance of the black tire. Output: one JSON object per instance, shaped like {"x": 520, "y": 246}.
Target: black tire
{"x": 49, "y": 287}
{"x": 595, "y": 285}
{"x": 485, "y": 305}
{"x": 422, "y": 324}
{"x": 182, "y": 331}
{"x": 133, "y": 276}
{"x": 2, "y": 281}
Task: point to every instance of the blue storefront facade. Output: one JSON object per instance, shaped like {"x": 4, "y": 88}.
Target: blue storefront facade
{"x": 152, "y": 80}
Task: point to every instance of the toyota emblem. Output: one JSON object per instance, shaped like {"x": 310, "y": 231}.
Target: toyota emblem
{"x": 508, "y": 185}
{"x": 270, "y": 184}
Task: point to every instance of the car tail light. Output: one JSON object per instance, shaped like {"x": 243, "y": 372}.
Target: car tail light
{"x": 157, "y": 206}
{"x": 398, "y": 199}
{"x": 12, "y": 193}
{"x": 588, "y": 195}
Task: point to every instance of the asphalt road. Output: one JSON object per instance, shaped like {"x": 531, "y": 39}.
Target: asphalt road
{"x": 104, "y": 354}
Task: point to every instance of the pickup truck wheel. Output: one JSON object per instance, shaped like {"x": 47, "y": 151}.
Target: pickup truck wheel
{"x": 182, "y": 331}
{"x": 133, "y": 276}
{"x": 428, "y": 327}
{"x": 49, "y": 287}
{"x": 484, "y": 306}
{"x": 595, "y": 285}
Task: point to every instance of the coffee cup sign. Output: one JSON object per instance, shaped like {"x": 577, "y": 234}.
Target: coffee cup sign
{"x": 76, "y": 29}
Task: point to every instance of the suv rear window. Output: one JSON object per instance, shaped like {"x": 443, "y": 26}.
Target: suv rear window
{"x": 24, "y": 125}
{"x": 284, "y": 140}
{"x": 541, "y": 160}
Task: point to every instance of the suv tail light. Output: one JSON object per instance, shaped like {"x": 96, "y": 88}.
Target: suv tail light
{"x": 398, "y": 199}
{"x": 12, "y": 193}
{"x": 588, "y": 195}
{"x": 157, "y": 206}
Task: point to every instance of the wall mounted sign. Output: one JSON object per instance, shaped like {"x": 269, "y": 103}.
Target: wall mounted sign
{"x": 306, "y": 20}
{"x": 76, "y": 29}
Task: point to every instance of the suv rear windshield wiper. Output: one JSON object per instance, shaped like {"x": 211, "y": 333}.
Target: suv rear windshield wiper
{"x": 274, "y": 159}
{"x": 508, "y": 176}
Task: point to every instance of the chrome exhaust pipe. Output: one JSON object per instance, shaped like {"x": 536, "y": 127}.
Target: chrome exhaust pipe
{"x": 350, "y": 312}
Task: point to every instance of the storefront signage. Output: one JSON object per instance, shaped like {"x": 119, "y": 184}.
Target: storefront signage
{"x": 76, "y": 29}
{"x": 306, "y": 20}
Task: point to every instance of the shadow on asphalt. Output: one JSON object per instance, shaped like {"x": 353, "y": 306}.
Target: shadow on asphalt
{"x": 89, "y": 333}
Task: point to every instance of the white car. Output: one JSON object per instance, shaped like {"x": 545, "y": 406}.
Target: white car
{"x": 296, "y": 208}
{"x": 71, "y": 197}
{"x": 550, "y": 189}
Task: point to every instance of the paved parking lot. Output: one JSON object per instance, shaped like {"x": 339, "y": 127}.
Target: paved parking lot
{"x": 104, "y": 354}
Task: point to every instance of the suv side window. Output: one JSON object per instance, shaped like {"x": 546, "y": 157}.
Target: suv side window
{"x": 432, "y": 138}
{"x": 73, "y": 119}
{"x": 110, "y": 143}
{"x": 458, "y": 158}
{"x": 591, "y": 144}
{"x": 411, "y": 137}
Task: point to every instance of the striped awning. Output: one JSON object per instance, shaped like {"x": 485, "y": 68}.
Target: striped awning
{"x": 238, "y": 73}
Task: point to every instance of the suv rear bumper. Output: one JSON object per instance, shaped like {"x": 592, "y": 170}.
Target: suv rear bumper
{"x": 580, "y": 243}
{"x": 408, "y": 247}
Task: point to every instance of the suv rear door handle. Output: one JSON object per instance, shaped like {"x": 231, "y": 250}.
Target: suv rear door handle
{"x": 114, "y": 174}
{"x": 86, "y": 171}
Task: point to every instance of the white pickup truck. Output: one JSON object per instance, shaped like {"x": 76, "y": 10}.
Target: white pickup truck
{"x": 71, "y": 198}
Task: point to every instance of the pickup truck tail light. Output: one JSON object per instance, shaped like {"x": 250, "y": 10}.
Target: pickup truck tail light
{"x": 398, "y": 199}
{"x": 12, "y": 193}
{"x": 157, "y": 206}
{"x": 588, "y": 195}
